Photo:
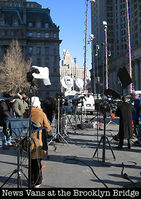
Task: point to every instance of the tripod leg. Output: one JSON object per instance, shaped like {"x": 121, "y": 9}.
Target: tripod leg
{"x": 111, "y": 149}
{"x": 98, "y": 146}
{"x": 15, "y": 171}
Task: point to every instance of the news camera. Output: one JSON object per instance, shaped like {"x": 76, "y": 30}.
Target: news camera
{"x": 112, "y": 101}
{"x": 107, "y": 105}
{"x": 77, "y": 101}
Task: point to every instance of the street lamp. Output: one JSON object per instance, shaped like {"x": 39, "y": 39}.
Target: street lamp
{"x": 97, "y": 77}
{"x": 106, "y": 53}
{"x": 93, "y": 64}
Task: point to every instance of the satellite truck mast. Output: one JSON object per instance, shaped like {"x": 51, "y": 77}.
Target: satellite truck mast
{"x": 85, "y": 47}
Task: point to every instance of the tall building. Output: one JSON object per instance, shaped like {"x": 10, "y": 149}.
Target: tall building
{"x": 36, "y": 33}
{"x": 115, "y": 13}
{"x": 70, "y": 68}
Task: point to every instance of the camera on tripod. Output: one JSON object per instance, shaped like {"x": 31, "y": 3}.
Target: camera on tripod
{"x": 77, "y": 101}
{"x": 106, "y": 105}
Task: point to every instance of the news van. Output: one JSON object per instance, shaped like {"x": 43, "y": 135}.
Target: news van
{"x": 87, "y": 103}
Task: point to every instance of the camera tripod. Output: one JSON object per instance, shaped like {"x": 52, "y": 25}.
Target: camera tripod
{"x": 18, "y": 170}
{"x": 58, "y": 124}
{"x": 104, "y": 138}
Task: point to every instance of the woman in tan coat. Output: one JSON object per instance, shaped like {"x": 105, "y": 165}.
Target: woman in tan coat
{"x": 37, "y": 150}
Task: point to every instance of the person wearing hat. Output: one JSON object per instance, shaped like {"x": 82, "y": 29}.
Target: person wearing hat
{"x": 124, "y": 112}
{"x": 38, "y": 150}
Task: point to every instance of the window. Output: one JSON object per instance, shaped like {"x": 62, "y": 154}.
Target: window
{"x": 15, "y": 23}
{"x": 30, "y": 24}
{"x": 38, "y": 24}
{"x": 47, "y": 61}
{"x": 46, "y": 25}
{"x": 38, "y": 34}
{"x": 46, "y": 50}
{"x": 38, "y": 61}
{"x": 29, "y": 34}
{"x": 1, "y": 22}
{"x": 38, "y": 50}
{"x": 46, "y": 35}
{"x": 54, "y": 35}
{"x": 30, "y": 50}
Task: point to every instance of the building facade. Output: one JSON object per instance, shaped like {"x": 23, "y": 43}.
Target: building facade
{"x": 115, "y": 13}
{"x": 70, "y": 68}
{"x": 32, "y": 26}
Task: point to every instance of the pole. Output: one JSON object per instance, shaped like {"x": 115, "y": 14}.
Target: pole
{"x": 129, "y": 46}
{"x": 85, "y": 52}
{"x": 106, "y": 53}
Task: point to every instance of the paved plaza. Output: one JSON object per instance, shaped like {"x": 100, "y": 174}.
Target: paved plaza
{"x": 76, "y": 163}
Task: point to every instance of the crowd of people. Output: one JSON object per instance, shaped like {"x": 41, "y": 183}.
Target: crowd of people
{"x": 19, "y": 107}
{"x": 130, "y": 120}
{"x": 42, "y": 114}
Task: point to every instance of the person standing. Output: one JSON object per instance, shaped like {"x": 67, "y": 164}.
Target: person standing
{"x": 137, "y": 115}
{"x": 5, "y": 113}
{"x": 124, "y": 111}
{"x": 40, "y": 150}
{"x": 20, "y": 105}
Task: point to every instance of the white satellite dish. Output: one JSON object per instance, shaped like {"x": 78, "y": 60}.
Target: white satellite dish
{"x": 79, "y": 83}
{"x": 67, "y": 82}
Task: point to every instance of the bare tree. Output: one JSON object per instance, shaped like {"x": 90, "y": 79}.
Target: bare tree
{"x": 13, "y": 70}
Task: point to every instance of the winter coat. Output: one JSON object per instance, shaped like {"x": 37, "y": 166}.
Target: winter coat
{"x": 19, "y": 107}
{"x": 39, "y": 117}
{"x": 124, "y": 111}
{"x": 137, "y": 115}
{"x": 5, "y": 110}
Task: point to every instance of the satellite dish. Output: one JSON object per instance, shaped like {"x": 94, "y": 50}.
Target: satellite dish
{"x": 79, "y": 83}
{"x": 67, "y": 82}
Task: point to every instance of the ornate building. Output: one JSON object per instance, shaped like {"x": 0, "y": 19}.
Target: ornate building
{"x": 36, "y": 33}
{"x": 70, "y": 68}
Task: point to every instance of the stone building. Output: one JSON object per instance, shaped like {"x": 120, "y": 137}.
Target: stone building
{"x": 36, "y": 33}
{"x": 70, "y": 68}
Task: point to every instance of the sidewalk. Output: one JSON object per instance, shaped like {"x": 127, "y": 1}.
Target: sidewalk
{"x": 72, "y": 165}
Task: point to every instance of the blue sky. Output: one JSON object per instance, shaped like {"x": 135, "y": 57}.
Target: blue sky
{"x": 70, "y": 16}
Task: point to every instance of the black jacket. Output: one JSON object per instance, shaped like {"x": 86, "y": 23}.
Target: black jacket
{"x": 4, "y": 111}
{"x": 124, "y": 111}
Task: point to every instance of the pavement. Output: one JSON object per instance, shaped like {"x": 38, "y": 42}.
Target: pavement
{"x": 79, "y": 161}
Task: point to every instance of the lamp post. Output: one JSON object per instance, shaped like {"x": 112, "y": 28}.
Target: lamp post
{"x": 97, "y": 77}
{"x": 106, "y": 54}
{"x": 129, "y": 46}
{"x": 75, "y": 67}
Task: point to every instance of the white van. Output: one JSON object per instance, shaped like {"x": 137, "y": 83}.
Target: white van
{"x": 88, "y": 105}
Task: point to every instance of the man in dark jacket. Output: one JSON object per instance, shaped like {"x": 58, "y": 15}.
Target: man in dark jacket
{"x": 5, "y": 112}
{"x": 124, "y": 111}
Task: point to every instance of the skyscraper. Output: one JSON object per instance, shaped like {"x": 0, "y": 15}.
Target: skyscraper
{"x": 115, "y": 13}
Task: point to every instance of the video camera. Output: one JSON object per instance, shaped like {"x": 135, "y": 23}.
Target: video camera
{"x": 106, "y": 105}
{"x": 110, "y": 104}
{"x": 77, "y": 101}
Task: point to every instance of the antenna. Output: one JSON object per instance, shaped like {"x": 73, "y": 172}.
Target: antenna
{"x": 85, "y": 52}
